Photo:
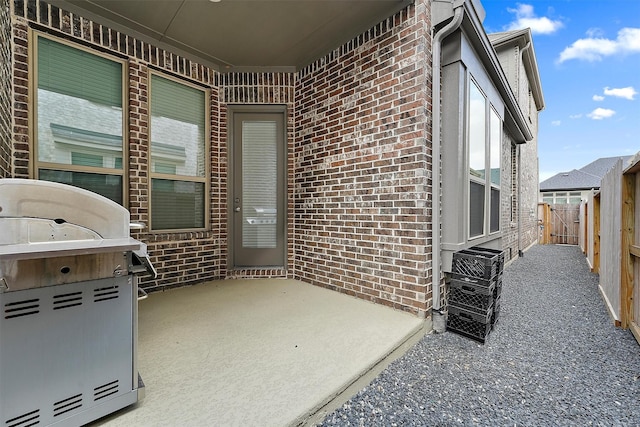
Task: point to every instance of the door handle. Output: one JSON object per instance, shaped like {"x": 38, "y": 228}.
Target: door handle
{"x": 237, "y": 209}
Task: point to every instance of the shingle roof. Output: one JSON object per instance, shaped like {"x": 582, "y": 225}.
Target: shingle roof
{"x": 585, "y": 178}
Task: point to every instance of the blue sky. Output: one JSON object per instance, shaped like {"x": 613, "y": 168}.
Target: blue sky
{"x": 588, "y": 54}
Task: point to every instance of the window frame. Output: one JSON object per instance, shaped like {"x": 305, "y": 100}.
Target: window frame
{"x": 204, "y": 179}
{"x": 489, "y": 186}
{"x": 495, "y": 186}
{"x": 37, "y": 164}
{"x": 471, "y": 178}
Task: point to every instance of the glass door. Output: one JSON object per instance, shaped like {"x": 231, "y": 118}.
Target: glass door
{"x": 258, "y": 191}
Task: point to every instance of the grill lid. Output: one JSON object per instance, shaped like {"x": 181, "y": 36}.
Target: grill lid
{"x": 20, "y": 198}
{"x": 41, "y": 219}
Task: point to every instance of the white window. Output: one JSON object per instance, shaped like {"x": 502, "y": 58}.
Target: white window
{"x": 178, "y": 130}
{"x": 484, "y": 141}
{"x": 562, "y": 197}
{"x": 575, "y": 198}
{"x": 80, "y": 125}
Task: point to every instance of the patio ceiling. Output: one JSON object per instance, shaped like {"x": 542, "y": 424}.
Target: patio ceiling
{"x": 240, "y": 34}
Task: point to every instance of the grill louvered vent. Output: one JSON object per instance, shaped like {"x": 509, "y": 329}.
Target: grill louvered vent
{"x": 21, "y": 308}
{"x": 72, "y": 299}
{"x": 29, "y": 419}
{"x": 67, "y": 405}
{"x": 105, "y": 294}
{"x": 105, "y": 390}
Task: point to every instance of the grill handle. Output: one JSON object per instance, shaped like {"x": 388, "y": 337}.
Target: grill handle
{"x": 142, "y": 294}
{"x": 140, "y": 262}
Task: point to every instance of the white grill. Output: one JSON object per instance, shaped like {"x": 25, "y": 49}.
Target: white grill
{"x": 68, "y": 305}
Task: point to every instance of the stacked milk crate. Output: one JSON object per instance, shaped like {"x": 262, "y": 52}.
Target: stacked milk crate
{"x": 474, "y": 296}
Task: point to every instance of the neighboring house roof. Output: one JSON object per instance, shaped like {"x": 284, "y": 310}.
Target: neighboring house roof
{"x": 585, "y": 178}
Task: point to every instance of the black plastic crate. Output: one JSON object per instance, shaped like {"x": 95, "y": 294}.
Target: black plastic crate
{"x": 491, "y": 252}
{"x": 496, "y": 313}
{"x": 469, "y": 324}
{"x": 476, "y": 281}
{"x": 497, "y": 291}
{"x": 478, "y": 264}
{"x": 472, "y": 297}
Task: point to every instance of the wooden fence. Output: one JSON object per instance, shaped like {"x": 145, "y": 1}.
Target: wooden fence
{"x": 618, "y": 250}
{"x": 610, "y": 202}
{"x": 560, "y": 224}
{"x": 592, "y": 230}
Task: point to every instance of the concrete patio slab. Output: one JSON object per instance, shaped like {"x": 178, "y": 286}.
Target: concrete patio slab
{"x": 261, "y": 352}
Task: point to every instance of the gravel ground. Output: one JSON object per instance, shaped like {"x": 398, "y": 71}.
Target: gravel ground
{"x": 554, "y": 359}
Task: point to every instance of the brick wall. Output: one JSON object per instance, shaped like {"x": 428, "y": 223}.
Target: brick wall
{"x": 521, "y": 219}
{"x": 21, "y": 150}
{"x": 528, "y": 162}
{"x": 522, "y": 231}
{"x": 5, "y": 90}
{"x": 509, "y": 224}
{"x": 362, "y": 213}
{"x": 529, "y": 187}
{"x": 253, "y": 89}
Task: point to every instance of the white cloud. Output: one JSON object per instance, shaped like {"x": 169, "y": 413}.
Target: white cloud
{"x": 623, "y": 92}
{"x": 595, "y": 47}
{"x": 526, "y": 18}
{"x": 575, "y": 116}
{"x": 601, "y": 113}
{"x": 556, "y": 123}
{"x": 598, "y": 98}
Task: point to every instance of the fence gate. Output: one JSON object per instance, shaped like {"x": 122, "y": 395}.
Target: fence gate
{"x": 564, "y": 224}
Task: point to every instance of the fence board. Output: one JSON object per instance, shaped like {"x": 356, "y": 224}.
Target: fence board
{"x": 544, "y": 233}
{"x": 627, "y": 240}
{"x": 595, "y": 230}
{"x": 583, "y": 217}
{"x": 592, "y": 230}
{"x": 634, "y": 250}
{"x": 610, "y": 239}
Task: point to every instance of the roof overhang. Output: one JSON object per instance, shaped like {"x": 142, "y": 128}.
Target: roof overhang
{"x": 524, "y": 39}
{"x": 233, "y": 35}
{"x": 515, "y": 120}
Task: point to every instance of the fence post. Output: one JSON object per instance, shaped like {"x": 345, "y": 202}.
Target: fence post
{"x": 627, "y": 240}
